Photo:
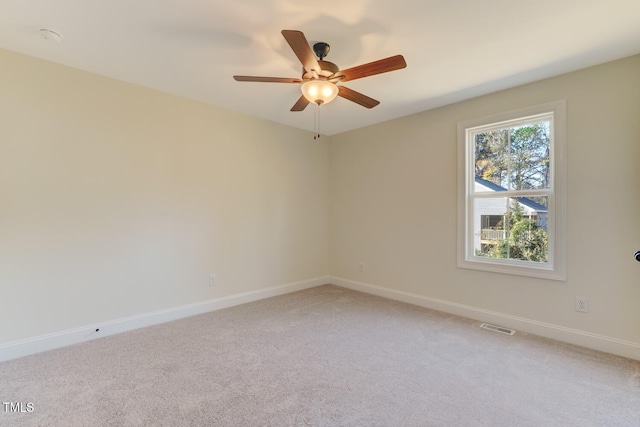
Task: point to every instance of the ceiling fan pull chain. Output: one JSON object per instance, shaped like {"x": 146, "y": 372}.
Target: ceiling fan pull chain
{"x": 316, "y": 126}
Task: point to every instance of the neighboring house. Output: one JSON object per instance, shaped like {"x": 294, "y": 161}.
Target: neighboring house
{"x": 490, "y": 214}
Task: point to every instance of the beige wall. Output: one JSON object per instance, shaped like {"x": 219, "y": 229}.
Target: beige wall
{"x": 393, "y": 205}
{"x": 116, "y": 200}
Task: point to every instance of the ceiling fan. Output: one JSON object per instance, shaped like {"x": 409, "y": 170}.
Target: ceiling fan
{"x": 320, "y": 79}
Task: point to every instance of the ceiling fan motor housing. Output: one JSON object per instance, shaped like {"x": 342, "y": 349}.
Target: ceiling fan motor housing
{"x": 327, "y": 69}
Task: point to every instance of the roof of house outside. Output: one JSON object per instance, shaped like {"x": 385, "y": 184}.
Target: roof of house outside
{"x": 523, "y": 200}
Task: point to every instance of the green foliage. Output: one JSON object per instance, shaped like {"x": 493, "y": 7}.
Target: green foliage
{"x": 526, "y": 241}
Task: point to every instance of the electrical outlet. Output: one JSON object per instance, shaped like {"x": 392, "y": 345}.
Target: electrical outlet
{"x": 213, "y": 279}
{"x": 582, "y": 304}
{"x": 361, "y": 267}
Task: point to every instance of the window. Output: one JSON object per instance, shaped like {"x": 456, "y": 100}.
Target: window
{"x": 511, "y": 182}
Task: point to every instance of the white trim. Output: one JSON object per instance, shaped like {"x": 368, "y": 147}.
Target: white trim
{"x": 572, "y": 336}
{"x": 67, "y": 337}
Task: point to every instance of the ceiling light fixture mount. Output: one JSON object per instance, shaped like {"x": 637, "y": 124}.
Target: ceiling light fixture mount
{"x": 321, "y": 49}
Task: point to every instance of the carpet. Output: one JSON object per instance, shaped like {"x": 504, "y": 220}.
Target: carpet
{"x": 325, "y": 356}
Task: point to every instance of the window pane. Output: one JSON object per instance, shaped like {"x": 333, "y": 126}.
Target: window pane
{"x": 511, "y": 228}
{"x": 490, "y": 159}
{"x": 513, "y": 158}
{"x": 490, "y": 215}
{"x": 529, "y": 166}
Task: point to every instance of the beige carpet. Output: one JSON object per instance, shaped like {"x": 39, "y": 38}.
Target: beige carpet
{"x": 326, "y": 356}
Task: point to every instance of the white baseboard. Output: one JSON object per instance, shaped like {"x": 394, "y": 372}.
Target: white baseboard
{"x": 67, "y": 337}
{"x": 573, "y": 336}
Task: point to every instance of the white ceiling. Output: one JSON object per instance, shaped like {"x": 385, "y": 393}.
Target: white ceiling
{"x": 454, "y": 49}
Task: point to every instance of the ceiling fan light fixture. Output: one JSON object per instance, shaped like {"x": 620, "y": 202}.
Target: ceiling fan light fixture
{"x": 319, "y": 91}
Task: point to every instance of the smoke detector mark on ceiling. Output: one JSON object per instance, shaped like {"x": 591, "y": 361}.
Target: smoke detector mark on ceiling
{"x": 51, "y": 35}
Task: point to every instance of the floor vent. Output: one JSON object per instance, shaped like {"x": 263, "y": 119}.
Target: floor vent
{"x": 497, "y": 329}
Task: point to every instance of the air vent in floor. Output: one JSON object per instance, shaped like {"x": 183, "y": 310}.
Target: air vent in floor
{"x": 500, "y": 329}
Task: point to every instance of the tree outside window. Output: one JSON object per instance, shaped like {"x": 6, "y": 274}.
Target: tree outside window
{"x": 518, "y": 159}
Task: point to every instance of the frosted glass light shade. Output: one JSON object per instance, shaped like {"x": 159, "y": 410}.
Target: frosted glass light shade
{"x": 319, "y": 91}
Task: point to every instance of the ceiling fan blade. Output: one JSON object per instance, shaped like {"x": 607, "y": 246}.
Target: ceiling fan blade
{"x": 372, "y": 68}
{"x": 357, "y": 97}
{"x": 267, "y": 79}
{"x": 301, "y": 104}
{"x": 301, "y": 48}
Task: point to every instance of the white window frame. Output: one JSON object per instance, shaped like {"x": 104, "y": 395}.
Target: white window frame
{"x": 555, "y": 267}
